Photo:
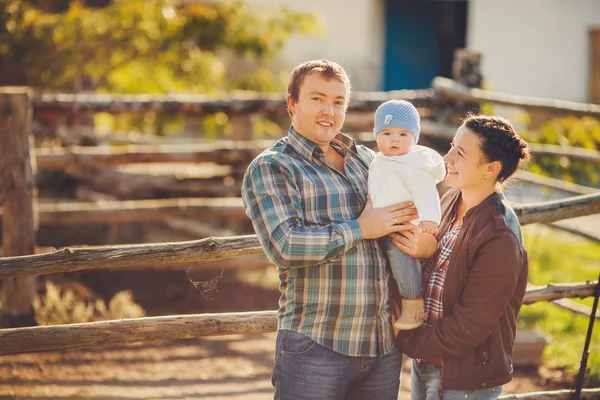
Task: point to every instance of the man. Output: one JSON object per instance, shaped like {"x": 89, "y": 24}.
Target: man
{"x": 307, "y": 199}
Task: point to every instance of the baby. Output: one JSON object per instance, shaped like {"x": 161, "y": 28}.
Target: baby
{"x": 402, "y": 171}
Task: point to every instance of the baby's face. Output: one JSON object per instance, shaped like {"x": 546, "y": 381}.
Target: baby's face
{"x": 394, "y": 141}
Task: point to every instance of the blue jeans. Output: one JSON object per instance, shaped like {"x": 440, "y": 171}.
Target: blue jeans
{"x": 426, "y": 379}
{"x": 405, "y": 269}
{"x": 306, "y": 370}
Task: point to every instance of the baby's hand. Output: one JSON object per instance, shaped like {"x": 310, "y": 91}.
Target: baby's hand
{"x": 429, "y": 227}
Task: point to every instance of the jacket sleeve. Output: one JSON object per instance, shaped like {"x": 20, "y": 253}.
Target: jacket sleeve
{"x": 424, "y": 194}
{"x": 273, "y": 203}
{"x": 485, "y": 295}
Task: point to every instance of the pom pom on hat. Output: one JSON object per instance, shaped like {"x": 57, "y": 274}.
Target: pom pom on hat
{"x": 397, "y": 114}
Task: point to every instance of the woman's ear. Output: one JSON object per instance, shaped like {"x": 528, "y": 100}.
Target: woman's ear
{"x": 493, "y": 169}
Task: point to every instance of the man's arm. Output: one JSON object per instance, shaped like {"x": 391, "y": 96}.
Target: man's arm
{"x": 273, "y": 203}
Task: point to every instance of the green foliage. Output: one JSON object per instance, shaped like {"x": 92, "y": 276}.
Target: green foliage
{"x": 554, "y": 259}
{"x": 567, "y": 131}
{"x": 146, "y": 46}
{"x": 57, "y": 307}
{"x": 142, "y": 46}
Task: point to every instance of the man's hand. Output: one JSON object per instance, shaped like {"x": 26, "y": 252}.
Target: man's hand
{"x": 378, "y": 222}
{"x": 415, "y": 243}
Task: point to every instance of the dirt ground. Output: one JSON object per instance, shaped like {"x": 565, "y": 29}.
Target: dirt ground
{"x": 229, "y": 367}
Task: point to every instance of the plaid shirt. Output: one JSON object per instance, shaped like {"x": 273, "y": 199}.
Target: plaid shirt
{"x": 333, "y": 284}
{"x": 436, "y": 267}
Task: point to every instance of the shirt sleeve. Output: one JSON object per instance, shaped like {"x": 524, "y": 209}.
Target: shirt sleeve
{"x": 274, "y": 204}
{"x": 486, "y": 293}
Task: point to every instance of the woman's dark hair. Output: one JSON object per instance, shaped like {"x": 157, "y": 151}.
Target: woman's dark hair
{"x": 499, "y": 142}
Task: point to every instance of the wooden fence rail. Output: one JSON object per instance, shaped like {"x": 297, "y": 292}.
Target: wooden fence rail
{"x": 214, "y": 248}
{"x": 448, "y": 88}
{"x": 235, "y": 152}
{"x": 551, "y": 211}
{"x": 115, "y": 211}
{"x": 213, "y": 208}
{"x": 115, "y": 332}
{"x": 247, "y": 103}
{"x": 221, "y": 152}
{"x": 199, "y": 104}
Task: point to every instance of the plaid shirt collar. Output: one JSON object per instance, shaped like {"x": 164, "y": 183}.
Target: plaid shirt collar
{"x": 310, "y": 150}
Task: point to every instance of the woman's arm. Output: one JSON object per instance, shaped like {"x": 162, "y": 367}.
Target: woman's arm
{"x": 485, "y": 296}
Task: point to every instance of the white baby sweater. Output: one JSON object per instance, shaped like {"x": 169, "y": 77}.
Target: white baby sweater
{"x": 412, "y": 176}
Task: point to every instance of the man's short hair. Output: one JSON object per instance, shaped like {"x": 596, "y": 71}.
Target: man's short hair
{"x": 327, "y": 69}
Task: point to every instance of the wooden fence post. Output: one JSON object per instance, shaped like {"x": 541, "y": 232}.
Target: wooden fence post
{"x": 241, "y": 126}
{"x": 466, "y": 70}
{"x": 18, "y": 197}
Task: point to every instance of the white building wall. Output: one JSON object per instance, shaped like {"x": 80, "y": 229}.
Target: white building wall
{"x": 534, "y": 47}
{"x": 353, "y": 37}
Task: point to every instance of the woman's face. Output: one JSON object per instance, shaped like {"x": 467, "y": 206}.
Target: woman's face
{"x": 465, "y": 161}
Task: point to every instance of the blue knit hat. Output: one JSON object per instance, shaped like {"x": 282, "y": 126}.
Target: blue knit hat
{"x": 397, "y": 114}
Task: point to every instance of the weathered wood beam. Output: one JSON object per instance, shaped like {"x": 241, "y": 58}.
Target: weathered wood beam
{"x": 74, "y": 259}
{"x": 557, "y": 291}
{"x": 553, "y": 183}
{"x": 236, "y": 153}
{"x": 200, "y": 104}
{"x": 249, "y": 263}
{"x": 572, "y": 153}
{"x": 220, "y": 152}
{"x": 111, "y": 211}
{"x": 92, "y": 334}
{"x": 586, "y": 394}
{"x": 448, "y": 88}
{"x": 556, "y": 210}
{"x": 114, "y": 211}
{"x": 135, "y": 185}
{"x": 19, "y": 200}
{"x": 216, "y": 248}
{"x": 115, "y": 332}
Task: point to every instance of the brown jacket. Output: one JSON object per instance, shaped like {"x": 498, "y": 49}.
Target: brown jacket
{"x": 483, "y": 292}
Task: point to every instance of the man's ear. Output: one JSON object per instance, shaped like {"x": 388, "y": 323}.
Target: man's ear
{"x": 291, "y": 104}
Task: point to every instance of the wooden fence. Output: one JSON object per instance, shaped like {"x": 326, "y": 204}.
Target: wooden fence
{"x": 19, "y": 162}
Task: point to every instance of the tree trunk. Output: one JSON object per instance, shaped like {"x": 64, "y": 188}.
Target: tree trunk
{"x": 18, "y": 190}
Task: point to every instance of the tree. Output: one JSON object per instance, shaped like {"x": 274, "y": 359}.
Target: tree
{"x": 166, "y": 45}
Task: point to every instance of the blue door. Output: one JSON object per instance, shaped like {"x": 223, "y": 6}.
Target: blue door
{"x": 411, "y": 58}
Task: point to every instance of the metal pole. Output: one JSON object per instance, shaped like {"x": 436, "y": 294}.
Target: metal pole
{"x": 586, "y": 346}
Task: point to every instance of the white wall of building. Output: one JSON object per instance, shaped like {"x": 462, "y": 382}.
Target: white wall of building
{"x": 534, "y": 47}
{"x": 353, "y": 37}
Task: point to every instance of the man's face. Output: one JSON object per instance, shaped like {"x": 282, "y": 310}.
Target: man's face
{"x": 395, "y": 141}
{"x": 319, "y": 113}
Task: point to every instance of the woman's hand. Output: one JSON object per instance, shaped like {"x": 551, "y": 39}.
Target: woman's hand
{"x": 415, "y": 243}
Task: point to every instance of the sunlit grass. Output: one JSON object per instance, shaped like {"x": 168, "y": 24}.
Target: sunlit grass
{"x": 555, "y": 257}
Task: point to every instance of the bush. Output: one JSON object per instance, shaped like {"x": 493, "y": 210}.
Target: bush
{"x": 65, "y": 307}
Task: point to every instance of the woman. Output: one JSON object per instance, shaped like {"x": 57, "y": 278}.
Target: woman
{"x": 475, "y": 282}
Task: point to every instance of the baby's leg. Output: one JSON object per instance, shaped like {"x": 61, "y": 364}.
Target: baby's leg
{"x": 406, "y": 271}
